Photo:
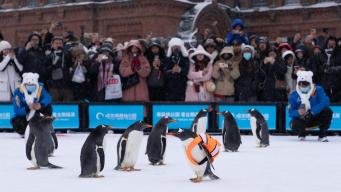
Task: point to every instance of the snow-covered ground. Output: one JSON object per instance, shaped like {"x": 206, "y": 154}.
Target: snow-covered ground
{"x": 287, "y": 165}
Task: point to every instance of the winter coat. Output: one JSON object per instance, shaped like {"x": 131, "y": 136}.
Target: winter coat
{"x": 10, "y": 70}
{"x": 225, "y": 78}
{"x": 231, "y": 36}
{"x": 332, "y": 76}
{"x": 138, "y": 92}
{"x": 318, "y": 101}
{"x": 247, "y": 83}
{"x": 19, "y": 103}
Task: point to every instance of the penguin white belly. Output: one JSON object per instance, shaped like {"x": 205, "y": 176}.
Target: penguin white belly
{"x": 27, "y": 132}
{"x": 202, "y": 125}
{"x": 197, "y": 155}
{"x": 33, "y": 155}
{"x": 132, "y": 148}
{"x": 253, "y": 123}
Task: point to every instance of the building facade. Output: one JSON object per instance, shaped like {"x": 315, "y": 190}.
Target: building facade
{"x": 127, "y": 19}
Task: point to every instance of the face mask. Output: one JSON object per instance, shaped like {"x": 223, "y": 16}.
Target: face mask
{"x": 305, "y": 90}
{"x": 31, "y": 88}
{"x": 247, "y": 56}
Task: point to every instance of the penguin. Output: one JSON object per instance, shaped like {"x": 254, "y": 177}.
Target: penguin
{"x": 259, "y": 128}
{"x": 92, "y": 156}
{"x": 157, "y": 141}
{"x": 202, "y": 158}
{"x": 39, "y": 141}
{"x": 230, "y": 132}
{"x": 128, "y": 146}
{"x": 199, "y": 124}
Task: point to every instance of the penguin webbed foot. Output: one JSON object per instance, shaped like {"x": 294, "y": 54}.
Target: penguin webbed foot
{"x": 196, "y": 179}
{"x": 51, "y": 166}
{"x": 33, "y": 168}
{"x": 92, "y": 175}
{"x": 213, "y": 177}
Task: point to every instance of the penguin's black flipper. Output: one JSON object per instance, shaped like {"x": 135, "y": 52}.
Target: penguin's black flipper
{"x": 55, "y": 140}
{"x": 120, "y": 154}
{"x": 259, "y": 127}
{"x": 209, "y": 173}
{"x": 100, "y": 152}
{"x": 29, "y": 145}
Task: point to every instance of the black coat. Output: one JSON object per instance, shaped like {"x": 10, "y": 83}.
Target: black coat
{"x": 247, "y": 83}
{"x": 176, "y": 83}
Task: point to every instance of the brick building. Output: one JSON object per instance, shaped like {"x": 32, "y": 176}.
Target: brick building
{"x": 127, "y": 19}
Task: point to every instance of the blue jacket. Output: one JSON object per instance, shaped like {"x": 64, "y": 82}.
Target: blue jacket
{"x": 20, "y": 106}
{"x": 318, "y": 101}
{"x": 231, "y": 37}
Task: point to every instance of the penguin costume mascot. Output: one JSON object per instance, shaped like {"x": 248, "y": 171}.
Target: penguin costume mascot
{"x": 157, "y": 141}
{"x": 230, "y": 132}
{"x": 39, "y": 141}
{"x": 92, "y": 156}
{"x": 259, "y": 128}
{"x": 199, "y": 124}
{"x": 201, "y": 150}
{"x": 128, "y": 146}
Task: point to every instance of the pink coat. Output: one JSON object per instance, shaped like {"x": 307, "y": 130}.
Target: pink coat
{"x": 193, "y": 77}
{"x": 138, "y": 92}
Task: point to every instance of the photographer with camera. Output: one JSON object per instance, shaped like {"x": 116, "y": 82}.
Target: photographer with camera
{"x": 10, "y": 70}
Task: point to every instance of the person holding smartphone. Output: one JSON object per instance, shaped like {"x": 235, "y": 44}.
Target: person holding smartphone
{"x": 309, "y": 107}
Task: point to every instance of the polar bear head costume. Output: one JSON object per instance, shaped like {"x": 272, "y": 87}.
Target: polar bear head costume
{"x": 305, "y": 92}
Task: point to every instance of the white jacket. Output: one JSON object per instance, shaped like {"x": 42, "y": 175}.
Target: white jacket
{"x": 9, "y": 78}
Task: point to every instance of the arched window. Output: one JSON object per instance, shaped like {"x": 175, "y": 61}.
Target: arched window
{"x": 292, "y": 2}
{"x": 32, "y": 3}
{"x": 259, "y": 3}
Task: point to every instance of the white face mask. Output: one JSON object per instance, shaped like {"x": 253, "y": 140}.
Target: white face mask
{"x": 305, "y": 90}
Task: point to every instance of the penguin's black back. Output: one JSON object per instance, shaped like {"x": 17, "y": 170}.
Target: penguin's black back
{"x": 231, "y": 133}
{"x": 155, "y": 145}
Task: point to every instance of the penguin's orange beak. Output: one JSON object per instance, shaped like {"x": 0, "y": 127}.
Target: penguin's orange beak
{"x": 149, "y": 126}
{"x": 218, "y": 113}
{"x": 172, "y": 120}
{"x": 171, "y": 133}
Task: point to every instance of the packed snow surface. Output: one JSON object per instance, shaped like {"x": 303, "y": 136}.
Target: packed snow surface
{"x": 288, "y": 165}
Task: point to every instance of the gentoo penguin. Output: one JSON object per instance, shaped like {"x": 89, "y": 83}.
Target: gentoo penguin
{"x": 230, "y": 132}
{"x": 199, "y": 124}
{"x": 200, "y": 157}
{"x": 128, "y": 146}
{"x": 39, "y": 141}
{"x": 92, "y": 154}
{"x": 157, "y": 141}
{"x": 259, "y": 128}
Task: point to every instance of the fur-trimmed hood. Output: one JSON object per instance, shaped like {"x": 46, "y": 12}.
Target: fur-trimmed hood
{"x": 177, "y": 42}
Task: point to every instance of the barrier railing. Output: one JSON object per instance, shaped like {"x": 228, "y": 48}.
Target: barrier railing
{"x": 85, "y": 116}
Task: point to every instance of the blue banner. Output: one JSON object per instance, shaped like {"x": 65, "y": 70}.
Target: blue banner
{"x": 67, "y": 116}
{"x": 243, "y": 117}
{"x": 6, "y": 114}
{"x": 336, "y": 121}
{"x": 118, "y": 116}
{"x": 184, "y": 114}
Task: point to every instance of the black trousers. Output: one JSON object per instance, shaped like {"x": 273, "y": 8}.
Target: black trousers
{"x": 19, "y": 123}
{"x": 322, "y": 120}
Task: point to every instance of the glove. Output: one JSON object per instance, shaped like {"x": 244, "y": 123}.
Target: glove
{"x": 307, "y": 116}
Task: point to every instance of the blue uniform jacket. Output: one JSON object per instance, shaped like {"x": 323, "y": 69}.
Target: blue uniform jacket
{"x": 231, "y": 37}
{"x": 20, "y": 106}
{"x": 318, "y": 101}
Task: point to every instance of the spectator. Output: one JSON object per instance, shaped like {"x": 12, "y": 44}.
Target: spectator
{"x": 297, "y": 40}
{"x": 309, "y": 106}
{"x": 176, "y": 70}
{"x": 253, "y": 40}
{"x": 58, "y": 67}
{"x": 28, "y": 98}
{"x": 247, "y": 83}
{"x": 211, "y": 47}
{"x": 289, "y": 60}
{"x": 331, "y": 80}
{"x": 225, "y": 72}
{"x": 101, "y": 69}
{"x": 32, "y": 57}
{"x": 237, "y": 33}
{"x": 263, "y": 47}
{"x": 156, "y": 57}
{"x": 10, "y": 70}
{"x": 272, "y": 70}
{"x": 316, "y": 64}
{"x": 302, "y": 58}
{"x": 199, "y": 76}
{"x": 135, "y": 66}
{"x": 283, "y": 47}
{"x": 79, "y": 74}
